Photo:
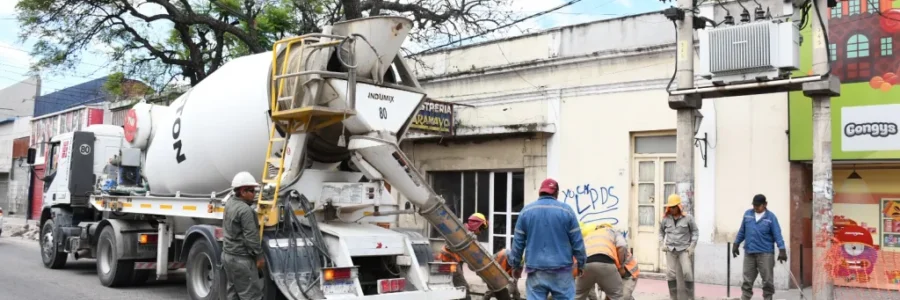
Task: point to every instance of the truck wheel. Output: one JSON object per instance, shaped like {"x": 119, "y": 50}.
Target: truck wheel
{"x": 205, "y": 281}
{"x": 112, "y": 271}
{"x": 50, "y": 253}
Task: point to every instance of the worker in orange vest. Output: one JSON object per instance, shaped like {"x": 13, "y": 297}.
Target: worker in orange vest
{"x": 606, "y": 251}
{"x": 475, "y": 224}
{"x": 500, "y": 258}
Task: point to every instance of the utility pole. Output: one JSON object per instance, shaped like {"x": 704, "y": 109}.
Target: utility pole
{"x": 823, "y": 191}
{"x": 686, "y": 107}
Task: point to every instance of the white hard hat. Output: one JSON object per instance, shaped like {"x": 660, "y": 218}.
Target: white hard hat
{"x": 243, "y": 179}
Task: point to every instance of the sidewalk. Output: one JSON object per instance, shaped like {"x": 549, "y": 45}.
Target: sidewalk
{"x": 16, "y": 226}
{"x": 652, "y": 289}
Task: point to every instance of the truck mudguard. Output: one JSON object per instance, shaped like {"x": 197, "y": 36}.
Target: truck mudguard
{"x": 197, "y": 232}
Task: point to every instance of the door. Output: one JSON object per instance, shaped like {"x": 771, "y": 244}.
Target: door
{"x": 654, "y": 180}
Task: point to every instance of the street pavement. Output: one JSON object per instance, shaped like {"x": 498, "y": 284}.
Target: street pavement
{"x": 23, "y": 276}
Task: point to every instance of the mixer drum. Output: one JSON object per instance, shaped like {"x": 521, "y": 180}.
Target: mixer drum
{"x": 217, "y": 129}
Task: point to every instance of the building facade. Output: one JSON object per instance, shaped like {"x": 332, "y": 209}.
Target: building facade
{"x": 865, "y": 247}
{"x": 16, "y": 107}
{"x": 592, "y": 113}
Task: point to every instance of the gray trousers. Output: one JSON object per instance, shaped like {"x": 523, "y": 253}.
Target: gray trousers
{"x": 513, "y": 288}
{"x": 459, "y": 280}
{"x": 628, "y": 285}
{"x": 243, "y": 278}
{"x": 764, "y": 265}
{"x": 679, "y": 262}
{"x": 605, "y": 275}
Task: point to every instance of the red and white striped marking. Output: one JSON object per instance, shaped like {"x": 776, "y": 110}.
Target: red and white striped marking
{"x": 152, "y": 265}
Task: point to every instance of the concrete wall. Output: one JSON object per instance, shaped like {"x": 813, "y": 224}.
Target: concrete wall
{"x": 18, "y": 99}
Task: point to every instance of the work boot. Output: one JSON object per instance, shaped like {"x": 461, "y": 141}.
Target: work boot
{"x": 689, "y": 288}
{"x": 673, "y": 289}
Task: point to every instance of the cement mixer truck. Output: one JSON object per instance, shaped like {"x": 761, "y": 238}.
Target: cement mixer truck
{"x": 318, "y": 120}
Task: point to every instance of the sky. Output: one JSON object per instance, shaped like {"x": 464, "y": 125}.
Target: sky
{"x": 15, "y": 58}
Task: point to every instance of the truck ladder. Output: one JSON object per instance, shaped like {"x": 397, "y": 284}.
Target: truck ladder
{"x": 291, "y": 119}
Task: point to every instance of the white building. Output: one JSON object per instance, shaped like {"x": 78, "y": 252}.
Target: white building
{"x": 586, "y": 105}
{"x": 16, "y": 108}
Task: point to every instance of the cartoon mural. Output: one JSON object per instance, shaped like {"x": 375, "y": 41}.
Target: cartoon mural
{"x": 853, "y": 254}
{"x": 865, "y": 248}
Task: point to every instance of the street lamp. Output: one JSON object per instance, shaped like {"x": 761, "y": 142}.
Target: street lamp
{"x": 698, "y": 118}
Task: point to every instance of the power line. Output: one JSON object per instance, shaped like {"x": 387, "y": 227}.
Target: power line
{"x": 501, "y": 27}
{"x": 26, "y": 51}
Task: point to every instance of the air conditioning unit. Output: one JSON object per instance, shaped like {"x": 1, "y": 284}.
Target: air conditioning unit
{"x": 755, "y": 51}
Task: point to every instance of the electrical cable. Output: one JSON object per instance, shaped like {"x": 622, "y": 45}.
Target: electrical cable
{"x": 499, "y": 27}
{"x": 825, "y": 36}
{"x": 675, "y": 72}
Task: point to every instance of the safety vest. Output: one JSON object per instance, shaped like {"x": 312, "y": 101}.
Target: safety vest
{"x": 448, "y": 256}
{"x": 631, "y": 265}
{"x": 504, "y": 262}
{"x": 601, "y": 241}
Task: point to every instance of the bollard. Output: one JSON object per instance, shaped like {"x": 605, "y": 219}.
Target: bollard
{"x": 728, "y": 275}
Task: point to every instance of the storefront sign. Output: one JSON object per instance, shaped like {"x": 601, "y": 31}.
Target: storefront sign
{"x": 870, "y": 128}
{"x": 435, "y": 116}
{"x": 866, "y": 116}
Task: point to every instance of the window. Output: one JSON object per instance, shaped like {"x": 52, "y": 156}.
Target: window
{"x": 654, "y": 144}
{"x": 858, "y": 46}
{"x": 854, "y": 7}
{"x": 836, "y": 10}
{"x": 833, "y": 49}
{"x": 873, "y": 6}
{"x": 509, "y": 198}
{"x": 887, "y": 46}
{"x": 499, "y": 195}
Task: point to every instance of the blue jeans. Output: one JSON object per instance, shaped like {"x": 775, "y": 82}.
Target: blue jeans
{"x": 559, "y": 284}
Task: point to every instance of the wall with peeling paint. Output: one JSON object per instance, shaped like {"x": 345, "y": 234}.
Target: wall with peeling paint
{"x": 581, "y": 99}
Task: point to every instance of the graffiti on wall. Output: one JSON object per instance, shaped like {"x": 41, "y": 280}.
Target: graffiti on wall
{"x": 593, "y": 204}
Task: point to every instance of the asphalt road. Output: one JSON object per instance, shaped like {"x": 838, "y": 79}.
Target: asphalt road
{"x": 23, "y": 276}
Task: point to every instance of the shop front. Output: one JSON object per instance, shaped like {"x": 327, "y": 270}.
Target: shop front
{"x": 865, "y": 246}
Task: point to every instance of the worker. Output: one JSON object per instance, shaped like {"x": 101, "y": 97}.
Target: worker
{"x": 606, "y": 249}
{"x": 242, "y": 255}
{"x": 631, "y": 271}
{"x": 547, "y": 233}
{"x": 678, "y": 238}
{"x": 475, "y": 224}
{"x": 501, "y": 259}
{"x": 761, "y": 230}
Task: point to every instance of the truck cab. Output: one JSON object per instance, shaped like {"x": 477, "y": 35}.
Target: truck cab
{"x": 73, "y": 162}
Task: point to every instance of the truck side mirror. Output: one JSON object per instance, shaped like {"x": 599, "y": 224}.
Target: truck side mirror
{"x": 32, "y": 153}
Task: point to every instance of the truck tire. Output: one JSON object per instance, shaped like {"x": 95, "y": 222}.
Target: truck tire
{"x": 112, "y": 271}
{"x": 141, "y": 276}
{"x": 205, "y": 276}
{"x": 50, "y": 254}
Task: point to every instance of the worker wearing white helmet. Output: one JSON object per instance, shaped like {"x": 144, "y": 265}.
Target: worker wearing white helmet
{"x": 242, "y": 255}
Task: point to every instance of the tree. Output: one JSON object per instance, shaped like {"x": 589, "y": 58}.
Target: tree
{"x": 204, "y": 34}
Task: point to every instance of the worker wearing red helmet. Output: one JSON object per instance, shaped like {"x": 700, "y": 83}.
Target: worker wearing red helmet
{"x": 475, "y": 224}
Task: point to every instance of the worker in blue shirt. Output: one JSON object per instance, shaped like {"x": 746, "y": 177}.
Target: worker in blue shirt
{"x": 760, "y": 229}
{"x": 548, "y": 232}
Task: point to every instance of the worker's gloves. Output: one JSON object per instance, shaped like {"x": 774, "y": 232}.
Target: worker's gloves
{"x": 260, "y": 263}
{"x": 662, "y": 245}
{"x": 782, "y": 256}
{"x": 736, "y": 250}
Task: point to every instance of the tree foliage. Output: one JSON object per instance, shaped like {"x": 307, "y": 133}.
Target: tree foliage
{"x": 156, "y": 40}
